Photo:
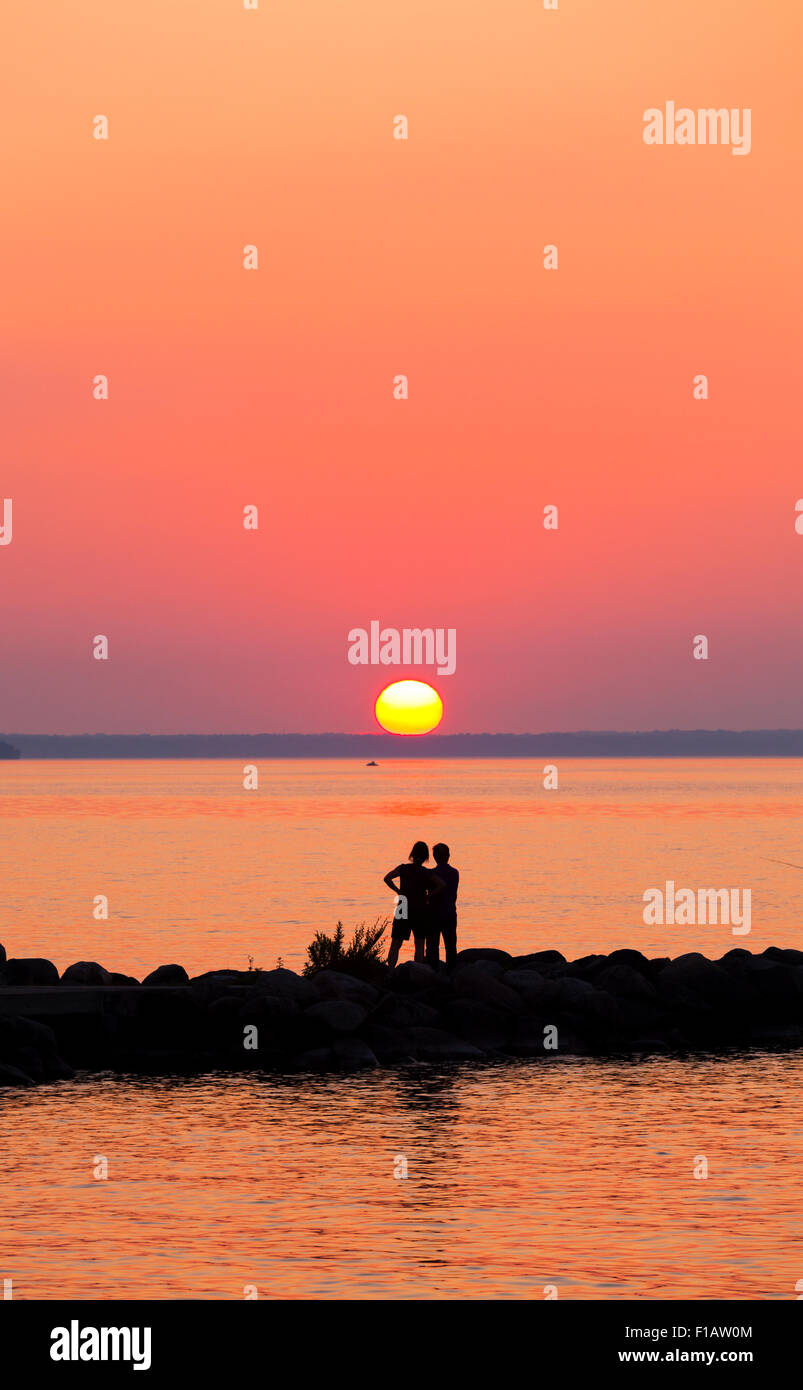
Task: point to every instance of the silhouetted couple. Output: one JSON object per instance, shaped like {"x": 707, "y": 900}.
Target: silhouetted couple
{"x": 426, "y": 907}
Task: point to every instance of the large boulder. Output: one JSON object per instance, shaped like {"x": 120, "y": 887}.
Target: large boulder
{"x": 2, "y": 955}
{"x": 224, "y": 1024}
{"x": 285, "y": 982}
{"x": 33, "y": 971}
{"x": 536, "y": 1036}
{"x": 472, "y": 982}
{"x": 624, "y": 980}
{"x": 436, "y": 1045}
{"x": 13, "y": 1076}
{"x": 693, "y": 982}
{"x": 486, "y": 1027}
{"x": 218, "y": 984}
{"x": 585, "y": 968}
{"x": 775, "y": 983}
{"x": 473, "y": 954}
{"x": 544, "y": 961}
{"x": 530, "y": 984}
{"x": 332, "y": 984}
{"x": 787, "y": 955}
{"x": 283, "y": 1027}
{"x": 604, "y": 1016}
{"x": 439, "y": 993}
{"x": 411, "y": 978}
{"x": 776, "y": 1035}
{"x": 31, "y": 1046}
{"x": 400, "y": 1012}
{"x": 486, "y": 965}
{"x": 167, "y": 975}
{"x": 353, "y": 1054}
{"x": 86, "y": 972}
{"x": 338, "y": 1015}
{"x": 636, "y": 960}
{"x": 315, "y": 1059}
{"x": 391, "y": 1045}
{"x": 569, "y": 991}
{"x": 167, "y": 1021}
{"x": 738, "y": 959}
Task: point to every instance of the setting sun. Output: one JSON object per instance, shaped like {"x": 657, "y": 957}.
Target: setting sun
{"x": 409, "y": 707}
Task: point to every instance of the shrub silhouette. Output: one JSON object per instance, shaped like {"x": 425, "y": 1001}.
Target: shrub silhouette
{"x": 361, "y": 958}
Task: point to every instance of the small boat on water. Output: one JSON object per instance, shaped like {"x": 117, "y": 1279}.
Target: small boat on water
{"x": 372, "y": 764}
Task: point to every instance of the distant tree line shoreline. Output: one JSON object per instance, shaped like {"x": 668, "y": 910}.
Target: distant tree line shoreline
{"x": 658, "y": 743}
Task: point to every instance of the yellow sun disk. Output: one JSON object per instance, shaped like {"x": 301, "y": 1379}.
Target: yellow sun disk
{"x": 409, "y": 707}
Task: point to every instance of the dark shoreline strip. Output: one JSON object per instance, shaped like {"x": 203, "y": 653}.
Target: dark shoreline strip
{"x": 493, "y": 1005}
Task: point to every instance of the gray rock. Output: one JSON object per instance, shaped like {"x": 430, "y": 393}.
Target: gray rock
{"x": 338, "y": 1015}
{"x": 569, "y": 991}
{"x": 390, "y": 1045}
{"x": 649, "y": 1045}
{"x": 585, "y": 968}
{"x": 217, "y": 984}
{"x": 167, "y": 975}
{"x": 30, "y": 1063}
{"x": 488, "y": 1028}
{"x": 472, "y": 982}
{"x": 436, "y": 1045}
{"x": 353, "y": 1054}
{"x": 571, "y": 1044}
{"x": 636, "y": 960}
{"x": 530, "y": 984}
{"x": 474, "y": 954}
{"x": 13, "y": 1076}
{"x": 283, "y": 1027}
{"x": 33, "y": 971}
{"x": 286, "y": 982}
{"x": 693, "y": 982}
{"x": 738, "y": 959}
{"x": 775, "y": 982}
{"x": 411, "y": 978}
{"x": 227, "y": 1018}
{"x": 485, "y": 967}
{"x": 544, "y": 961}
{"x": 86, "y": 972}
{"x": 624, "y": 980}
{"x": 268, "y": 1009}
{"x": 527, "y": 1039}
{"x": 401, "y": 1012}
{"x": 786, "y": 956}
{"x": 43, "y": 1066}
{"x": 601, "y": 1009}
{"x": 331, "y": 984}
{"x": 778, "y": 1035}
{"x": 316, "y": 1059}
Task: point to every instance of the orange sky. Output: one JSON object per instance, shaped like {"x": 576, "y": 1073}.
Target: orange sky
{"x": 378, "y": 257}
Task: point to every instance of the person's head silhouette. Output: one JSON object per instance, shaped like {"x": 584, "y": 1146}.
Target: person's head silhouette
{"x": 420, "y": 852}
{"x": 440, "y": 853}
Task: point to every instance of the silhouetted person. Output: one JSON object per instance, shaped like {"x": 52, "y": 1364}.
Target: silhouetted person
{"x": 417, "y": 886}
{"x": 443, "y": 910}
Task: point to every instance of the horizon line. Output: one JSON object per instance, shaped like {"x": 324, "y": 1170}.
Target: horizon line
{"x": 383, "y": 734}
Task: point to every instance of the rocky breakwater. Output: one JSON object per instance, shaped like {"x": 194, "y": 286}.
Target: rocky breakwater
{"x": 492, "y": 1005}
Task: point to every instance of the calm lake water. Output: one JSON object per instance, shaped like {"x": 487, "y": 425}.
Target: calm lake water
{"x": 574, "y": 1173}
{"x": 200, "y": 871}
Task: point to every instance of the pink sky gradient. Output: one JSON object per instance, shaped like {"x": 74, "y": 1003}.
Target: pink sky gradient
{"x": 380, "y": 257}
